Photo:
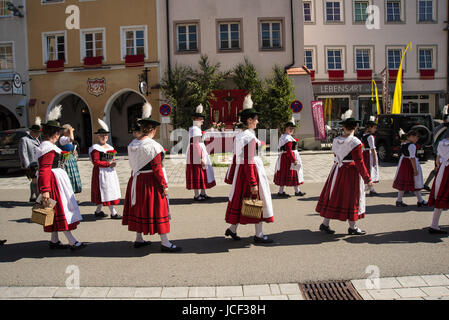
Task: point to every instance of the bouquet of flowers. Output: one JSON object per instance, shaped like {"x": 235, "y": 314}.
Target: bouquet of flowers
{"x": 218, "y": 126}
{"x": 63, "y": 157}
{"x": 110, "y": 155}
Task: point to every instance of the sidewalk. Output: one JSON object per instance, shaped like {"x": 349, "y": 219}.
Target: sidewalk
{"x": 430, "y": 287}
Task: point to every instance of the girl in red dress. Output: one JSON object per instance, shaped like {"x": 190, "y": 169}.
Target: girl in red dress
{"x": 370, "y": 154}
{"x": 147, "y": 208}
{"x": 409, "y": 175}
{"x": 289, "y": 171}
{"x": 343, "y": 195}
{"x": 199, "y": 170}
{"x": 250, "y": 179}
{"x": 54, "y": 183}
{"x": 105, "y": 189}
{"x": 439, "y": 195}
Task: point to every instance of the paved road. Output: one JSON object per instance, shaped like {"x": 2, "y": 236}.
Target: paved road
{"x": 396, "y": 242}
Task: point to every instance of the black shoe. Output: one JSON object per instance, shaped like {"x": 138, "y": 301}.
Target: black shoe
{"x": 326, "y": 229}
{"x": 234, "y": 236}
{"x": 283, "y": 195}
{"x": 356, "y": 232}
{"x": 76, "y": 248}
{"x": 33, "y": 200}
{"x": 262, "y": 240}
{"x": 300, "y": 194}
{"x": 206, "y": 197}
{"x": 100, "y": 214}
{"x": 2, "y": 242}
{"x": 172, "y": 249}
{"x": 138, "y": 245}
{"x": 199, "y": 199}
{"x": 422, "y": 204}
{"x": 373, "y": 194}
{"x": 400, "y": 204}
{"x": 427, "y": 188}
{"x": 435, "y": 231}
{"x": 116, "y": 217}
{"x": 58, "y": 246}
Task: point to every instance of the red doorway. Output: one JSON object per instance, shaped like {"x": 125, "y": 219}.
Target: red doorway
{"x": 226, "y": 105}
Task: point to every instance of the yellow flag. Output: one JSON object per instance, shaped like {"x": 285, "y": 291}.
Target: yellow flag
{"x": 397, "y": 100}
{"x": 374, "y": 86}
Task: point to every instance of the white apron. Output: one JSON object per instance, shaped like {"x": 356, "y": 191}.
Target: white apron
{"x": 443, "y": 152}
{"x": 193, "y": 133}
{"x": 242, "y": 140}
{"x": 108, "y": 179}
{"x": 374, "y": 172}
{"x": 71, "y": 210}
{"x": 283, "y": 140}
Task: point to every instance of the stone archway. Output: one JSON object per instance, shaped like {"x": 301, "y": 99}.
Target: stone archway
{"x": 8, "y": 120}
{"x": 76, "y": 112}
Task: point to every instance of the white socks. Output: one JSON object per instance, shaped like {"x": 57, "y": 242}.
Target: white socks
{"x": 400, "y": 196}
{"x": 165, "y": 242}
{"x": 233, "y": 228}
{"x": 419, "y": 196}
{"x": 203, "y": 192}
{"x": 113, "y": 211}
{"x": 197, "y": 193}
{"x": 297, "y": 190}
{"x": 259, "y": 232}
{"x": 99, "y": 208}
{"x": 436, "y": 219}
{"x": 326, "y": 222}
{"x": 139, "y": 237}
{"x": 281, "y": 189}
{"x": 71, "y": 238}
{"x": 353, "y": 225}
{"x": 54, "y": 237}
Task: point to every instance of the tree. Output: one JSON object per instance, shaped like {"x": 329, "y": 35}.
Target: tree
{"x": 279, "y": 96}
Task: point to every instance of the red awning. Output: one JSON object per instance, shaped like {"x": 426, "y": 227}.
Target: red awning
{"x": 135, "y": 61}
{"x": 55, "y": 65}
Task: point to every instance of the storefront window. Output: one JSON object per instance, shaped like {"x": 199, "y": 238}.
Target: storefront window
{"x": 368, "y": 108}
{"x": 334, "y": 108}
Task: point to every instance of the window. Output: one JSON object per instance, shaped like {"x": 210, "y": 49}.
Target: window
{"x": 425, "y": 11}
{"x": 187, "y": 37}
{"x": 426, "y": 59}
{"x": 307, "y": 11}
{"x": 93, "y": 43}
{"x": 6, "y": 57}
{"x": 394, "y": 58}
{"x": 394, "y": 11}
{"x": 334, "y": 59}
{"x": 134, "y": 41}
{"x": 360, "y": 14}
{"x": 55, "y": 47}
{"x": 308, "y": 59}
{"x": 271, "y": 34}
{"x": 363, "y": 59}
{"x": 229, "y": 36}
{"x": 333, "y": 11}
{"x": 4, "y": 12}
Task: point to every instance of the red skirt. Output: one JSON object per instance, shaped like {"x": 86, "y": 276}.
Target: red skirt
{"x": 231, "y": 171}
{"x": 150, "y": 213}
{"x": 405, "y": 180}
{"x": 196, "y": 178}
{"x": 285, "y": 176}
{"x": 95, "y": 194}
{"x": 242, "y": 190}
{"x": 60, "y": 222}
{"x": 343, "y": 203}
{"x": 367, "y": 160}
{"x": 442, "y": 199}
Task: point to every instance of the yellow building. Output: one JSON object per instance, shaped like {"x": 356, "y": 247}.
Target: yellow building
{"x": 93, "y": 71}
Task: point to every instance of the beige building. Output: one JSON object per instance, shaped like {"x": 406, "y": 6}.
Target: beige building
{"x": 93, "y": 71}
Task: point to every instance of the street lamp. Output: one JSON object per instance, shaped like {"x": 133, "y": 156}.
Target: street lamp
{"x": 16, "y": 12}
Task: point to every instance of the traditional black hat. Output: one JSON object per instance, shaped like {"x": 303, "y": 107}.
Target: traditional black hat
{"x": 146, "y": 116}
{"x": 104, "y": 128}
{"x": 37, "y": 125}
{"x": 248, "y": 108}
{"x": 53, "y": 117}
{"x": 199, "y": 112}
{"x": 348, "y": 120}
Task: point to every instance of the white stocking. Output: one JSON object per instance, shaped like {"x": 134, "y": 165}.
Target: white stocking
{"x": 203, "y": 192}
{"x": 165, "y": 242}
{"x": 259, "y": 232}
{"x": 436, "y": 219}
{"x": 233, "y": 228}
{"x": 297, "y": 190}
{"x": 197, "y": 193}
{"x": 400, "y": 196}
{"x": 99, "y": 208}
{"x": 113, "y": 211}
{"x": 139, "y": 237}
{"x": 70, "y": 237}
{"x": 326, "y": 222}
{"x": 419, "y": 196}
{"x": 54, "y": 237}
{"x": 281, "y": 189}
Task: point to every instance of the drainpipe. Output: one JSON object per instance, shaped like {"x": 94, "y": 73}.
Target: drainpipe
{"x": 167, "y": 8}
{"x": 447, "y": 61}
{"x": 293, "y": 38}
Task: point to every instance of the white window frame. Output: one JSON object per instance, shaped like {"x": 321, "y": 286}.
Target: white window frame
{"x": 396, "y": 47}
{"x": 314, "y": 57}
{"x": 83, "y": 32}
{"x": 187, "y": 25}
{"x": 434, "y": 12}
{"x": 9, "y": 13}
{"x": 123, "y": 31}
{"x": 45, "y": 48}
{"x": 434, "y": 49}
{"x": 402, "y": 12}
{"x": 281, "y": 34}
{"x": 343, "y": 57}
{"x": 13, "y": 56}
{"x": 312, "y": 12}
{"x": 342, "y": 12}
{"x": 228, "y": 23}
{"x": 371, "y": 57}
{"x": 353, "y": 10}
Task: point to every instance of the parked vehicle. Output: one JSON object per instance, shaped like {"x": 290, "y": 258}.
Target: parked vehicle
{"x": 387, "y": 135}
{"x": 9, "y": 149}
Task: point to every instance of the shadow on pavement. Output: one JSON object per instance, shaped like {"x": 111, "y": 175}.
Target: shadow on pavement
{"x": 90, "y": 204}
{"x": 14, "y": 204}
{"x": 184, "y": 201}
{"x": 391, "y": 209}
{"x": 398, "y": 237}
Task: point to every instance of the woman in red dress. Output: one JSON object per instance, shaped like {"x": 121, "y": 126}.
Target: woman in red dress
{"x": 199, "y": 170}
{"x": 370, "y": 154}
{"x": 147, "y": 208}
{"x": 250, "y": 179}
{"x": 54, "y": 183}
{"x": 289, "y": 171}
{"x": 105, "y": 190}
{"x": 439, "y": 195}
{"x": 343, "y": 195}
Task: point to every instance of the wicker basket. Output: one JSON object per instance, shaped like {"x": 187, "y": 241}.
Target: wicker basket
{"x": 42, "y": 216}
{"x": 252, "y": 208}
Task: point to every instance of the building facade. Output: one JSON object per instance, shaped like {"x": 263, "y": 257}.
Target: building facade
{"x": 344, "y": 54}
{"x": 14, "y": 82}
{"x": 94, "y": 70}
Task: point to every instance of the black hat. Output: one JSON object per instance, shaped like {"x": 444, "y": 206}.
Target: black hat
{"x": 248, "y": 109}
{"x": 146, "y": 116}
{"x": 104, "y": 128}
{"x": 350, "y": 122}
{"x": 199, "y": 112}
{"x": 135, "y": 127}
{"x": 53, "y": 117}
{"x": 370, "y": 123}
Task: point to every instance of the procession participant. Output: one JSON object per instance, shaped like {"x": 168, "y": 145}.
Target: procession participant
{"x": 343, "y": 195}
{"x": 409, "y": 175}
{"x": 439, "y": 195}
{"x": 231, "y": 169}
{"x": 70, "y": 165}
{"x": 146, "y": 203}
{"x": 370, "y": 155}
{"x": 289, "y": 171}
{"x": 136, "y": 131}
{"x": 199, "y": 170}
{"x": 27, "y": 154}
{"x": 250, "y": 179}
{"x": 105, "y": 189}
{"x": 54, "y": 183}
